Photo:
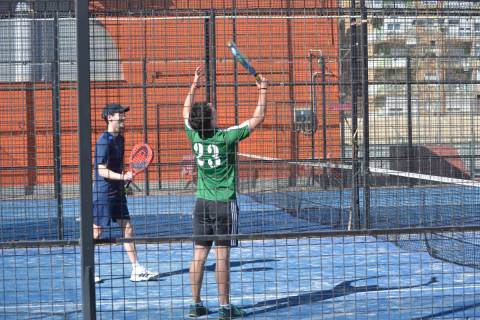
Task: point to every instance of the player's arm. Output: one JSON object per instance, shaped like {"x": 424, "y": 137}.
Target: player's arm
{"x": 106, "y": 173}
{"x": 189, "y": 99}
{"x": 259, "y": 113}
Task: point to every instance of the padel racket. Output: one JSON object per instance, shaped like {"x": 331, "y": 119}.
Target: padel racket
{"x": 141, "y": 157}
{"x": 242, "y": 59}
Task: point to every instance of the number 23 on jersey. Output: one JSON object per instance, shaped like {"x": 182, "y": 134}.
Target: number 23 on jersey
{"x": 212, "y": 151}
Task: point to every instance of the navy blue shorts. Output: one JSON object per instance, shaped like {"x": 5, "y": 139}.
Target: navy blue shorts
{"x": 215, "y": 218}
{"x": 104, "y": 212}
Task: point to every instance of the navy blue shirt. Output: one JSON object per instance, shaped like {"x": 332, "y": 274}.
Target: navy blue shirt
{"x": 109, "y": 151}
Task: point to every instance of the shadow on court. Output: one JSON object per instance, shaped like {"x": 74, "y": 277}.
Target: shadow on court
{"x": 211, "y": 268}
{"x": 343, "y": 289}
{"x": 449, "y": 313}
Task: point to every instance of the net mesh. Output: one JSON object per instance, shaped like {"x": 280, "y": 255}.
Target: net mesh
{"x": 321, "y": 192}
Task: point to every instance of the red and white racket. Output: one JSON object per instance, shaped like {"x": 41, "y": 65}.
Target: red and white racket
{"x": 141, "y": 157}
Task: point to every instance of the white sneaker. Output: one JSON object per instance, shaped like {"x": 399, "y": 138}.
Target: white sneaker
{"x": 97, "y": 279}
{"x": 140, "y": 273}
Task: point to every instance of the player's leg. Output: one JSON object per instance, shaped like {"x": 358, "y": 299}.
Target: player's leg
{"x": 121, "y": 215}
{"x": 201, "y": 226}
{"x": 197, "y": 270}
{"x": 139, "y": 272}
{"x": 101, "y": 219}
{"x": 127, "y": 230}
{"x": 226, "y": 223}
{"x": 222, "y": 273}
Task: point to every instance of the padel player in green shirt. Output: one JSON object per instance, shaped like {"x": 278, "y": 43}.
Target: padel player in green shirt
{"x": 216, "y": 210}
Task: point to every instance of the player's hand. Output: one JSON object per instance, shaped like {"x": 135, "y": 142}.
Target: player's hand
{"x": 263, "y": 83}
{"x": 198, "y": 76}
{"x": 128, "y": 176}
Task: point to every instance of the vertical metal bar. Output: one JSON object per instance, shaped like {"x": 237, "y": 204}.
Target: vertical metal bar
{"x": 353, "y": 79}
{"x": 57, "y": 152}
{"x": 366, "y": 128}
{"x": 472, "y": 143}
{"x": 313, "y": 102}
{"x": 409, "y": 118}
{"x": 85, "y": 161}
{"x": 324, "y": 114}
{"x": 206, "y": 48}
{"x": 159, "y": 170}
{"x": 292, "y": 178}
{"x": 24, "y": 29}
{"x": 235, "y": 64}
{"x": 235, "y": 88}
{"x": 145, "y": 116}
{"x": 31, "y": 139}
{"x": 213, "y": 58}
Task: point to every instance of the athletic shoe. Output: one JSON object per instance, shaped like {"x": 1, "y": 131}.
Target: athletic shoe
{"x": 230, "y": 312}
{"x": 140, "y": 273}
{"x": 197, "y": 310}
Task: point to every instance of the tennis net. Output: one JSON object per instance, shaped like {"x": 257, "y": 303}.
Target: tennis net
{"x": 321, "y": 192}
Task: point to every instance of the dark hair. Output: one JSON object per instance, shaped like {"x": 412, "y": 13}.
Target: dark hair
{"x": 200, "y": 119}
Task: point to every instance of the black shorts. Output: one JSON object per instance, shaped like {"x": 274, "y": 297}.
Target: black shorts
{"x": 110, "y": 210}
{"x": 215, "y": 218}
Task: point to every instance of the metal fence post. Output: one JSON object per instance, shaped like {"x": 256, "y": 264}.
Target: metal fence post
{"x": 85, "y": 161}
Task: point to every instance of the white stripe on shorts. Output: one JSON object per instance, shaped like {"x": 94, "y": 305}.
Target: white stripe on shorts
{"x": 234, "y": 213}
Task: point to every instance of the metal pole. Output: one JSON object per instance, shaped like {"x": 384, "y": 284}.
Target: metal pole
{"x": 57, "y": 151}
{"x": 235, "y": 64}
{"x": 409, "y": 119}
{"x": 324, "y": 114}
{"x": 292, "y": 178}
{"x": 313, "y": 102}
{"x": 159, "y": 172}
{"x": 366, "y": 136}
{"x": 206, "y": 48}
{"x": 235, "y": 89}
{"x": 213, "y": 58}
{"x": 145, "y": 117}
{"x": 353, "y": 75}
{"x": 85, "y": 160}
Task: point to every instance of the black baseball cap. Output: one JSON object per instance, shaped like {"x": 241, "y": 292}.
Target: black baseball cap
{"x": 112, "y": 108}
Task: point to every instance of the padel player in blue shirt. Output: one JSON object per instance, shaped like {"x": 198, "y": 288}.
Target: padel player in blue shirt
{"x": 109, "y": 200}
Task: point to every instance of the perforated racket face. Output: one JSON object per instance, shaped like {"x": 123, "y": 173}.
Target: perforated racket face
{"x": 140, "y": 157}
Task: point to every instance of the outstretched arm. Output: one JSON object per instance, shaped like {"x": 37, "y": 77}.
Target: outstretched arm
{"x": 259, "y": 113}
{"x": 191, "y": 93}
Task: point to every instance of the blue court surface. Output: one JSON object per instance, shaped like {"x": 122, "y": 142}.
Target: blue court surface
{"x": 329, "y": 278}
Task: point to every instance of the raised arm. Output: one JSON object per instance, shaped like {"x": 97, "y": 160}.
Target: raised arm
{"x": 259, "y": 113}
{"x": 189, "y": 99}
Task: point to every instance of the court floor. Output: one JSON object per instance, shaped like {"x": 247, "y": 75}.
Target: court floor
{"x": 338, "y": 278}
{"x": 306, "y": 278}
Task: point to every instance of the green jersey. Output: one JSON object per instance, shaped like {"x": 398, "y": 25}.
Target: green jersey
{"x": 215, "y": 160}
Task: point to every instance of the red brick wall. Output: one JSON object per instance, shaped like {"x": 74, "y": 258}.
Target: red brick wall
{"x": 173, "y": 48}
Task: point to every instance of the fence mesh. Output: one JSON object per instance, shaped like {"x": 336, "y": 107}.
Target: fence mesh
{"x": 357, "y": 194}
